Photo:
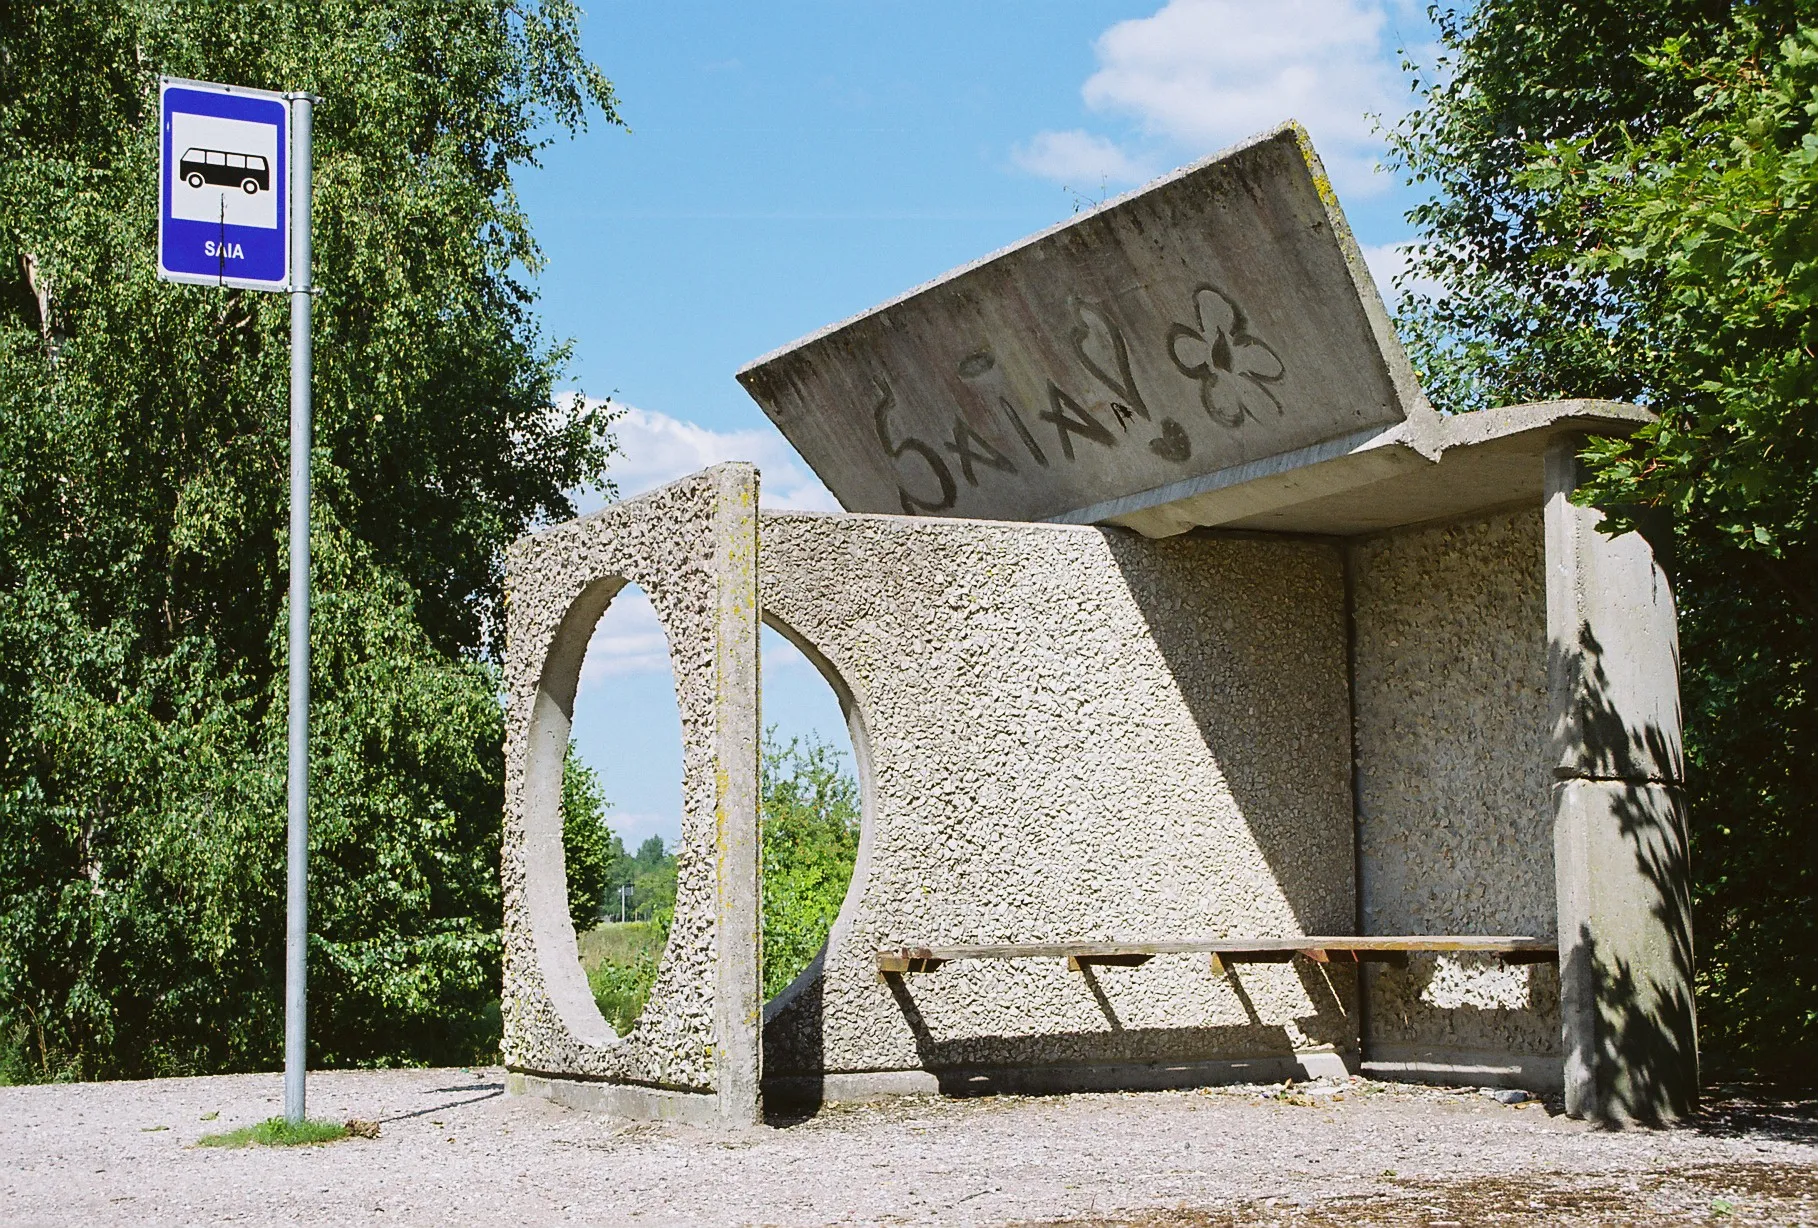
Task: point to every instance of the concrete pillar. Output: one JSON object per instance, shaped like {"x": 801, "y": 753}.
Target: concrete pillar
{"x": 738, "y": 1002}
{"x": 1619, "y": 837}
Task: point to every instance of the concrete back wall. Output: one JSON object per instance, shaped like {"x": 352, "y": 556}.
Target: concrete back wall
{"x": 1455, "y": 825}
{"x": 1073, "y": 733}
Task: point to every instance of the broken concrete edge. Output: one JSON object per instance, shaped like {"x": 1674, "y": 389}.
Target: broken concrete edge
{"x": 1421, "y": 423}
{"x": 627, "y": 1100}
{"x": 1290, "y": 129}
{"x": 1352, "y": 461}
{"x": 1580, "y": 415}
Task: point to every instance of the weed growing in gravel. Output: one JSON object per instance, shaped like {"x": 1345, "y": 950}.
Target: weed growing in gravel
{"x": 276, "y": 1132}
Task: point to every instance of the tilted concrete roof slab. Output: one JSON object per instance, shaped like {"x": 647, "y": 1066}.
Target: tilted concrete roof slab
{"x": 1209, "y": 350}
{"x": 1218, "y": 317}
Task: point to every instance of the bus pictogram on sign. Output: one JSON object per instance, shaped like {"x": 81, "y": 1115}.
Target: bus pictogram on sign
{"x": 248, "y": 172}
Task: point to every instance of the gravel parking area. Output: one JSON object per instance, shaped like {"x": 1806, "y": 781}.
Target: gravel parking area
{"x": 454, "y": 1149}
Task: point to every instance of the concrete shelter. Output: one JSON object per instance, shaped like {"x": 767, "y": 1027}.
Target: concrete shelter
{"x": 1222, "y": 710}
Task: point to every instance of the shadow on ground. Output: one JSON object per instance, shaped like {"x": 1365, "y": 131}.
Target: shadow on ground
{"x": 486, "y": 1092}
{"x": 1708, "y": 1194}
{"x": 1746, "y": 1111}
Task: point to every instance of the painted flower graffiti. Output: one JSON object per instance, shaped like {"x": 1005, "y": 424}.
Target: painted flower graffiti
{"x": 1233, "y": 368}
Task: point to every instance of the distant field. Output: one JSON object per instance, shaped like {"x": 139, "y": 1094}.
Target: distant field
{"x": 625, "y": 943}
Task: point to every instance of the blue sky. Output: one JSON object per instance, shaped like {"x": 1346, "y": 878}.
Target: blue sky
{"x": 792, "y": 163}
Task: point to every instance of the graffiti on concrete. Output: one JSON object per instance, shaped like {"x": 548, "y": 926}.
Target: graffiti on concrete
{"x": 1232, "y": 368}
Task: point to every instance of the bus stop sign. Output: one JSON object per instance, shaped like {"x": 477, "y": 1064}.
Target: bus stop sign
{"x": 223, "y": 190}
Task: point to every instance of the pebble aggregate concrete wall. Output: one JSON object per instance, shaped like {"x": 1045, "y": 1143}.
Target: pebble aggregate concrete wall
{"x": 1073, "y": 733}
{"x": 1455, "y": 820}
{"x": 1064, "y": 733}
{"x": 692, "y": 547}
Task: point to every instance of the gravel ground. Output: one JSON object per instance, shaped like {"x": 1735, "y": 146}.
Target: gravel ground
{"x": 453, "y": 1148}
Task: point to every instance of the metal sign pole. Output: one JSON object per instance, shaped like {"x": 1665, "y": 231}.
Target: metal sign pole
{"x": 297, "y": 894}
{"x": 233, "y": 210}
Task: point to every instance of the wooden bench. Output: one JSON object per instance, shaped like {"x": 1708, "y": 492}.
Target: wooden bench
{"x": 1224, "y": 952}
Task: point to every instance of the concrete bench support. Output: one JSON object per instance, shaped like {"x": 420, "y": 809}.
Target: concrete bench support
{"x": 1625, "y": 935}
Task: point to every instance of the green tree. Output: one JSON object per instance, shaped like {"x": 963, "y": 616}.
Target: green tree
{"x": 143, "y": 441}
{"x": 591, "y": 850}
{"x": 810, "y": 809}
{"x": 651, "y": 876}
{"x": 1624, "y": 207}
{"x": 811, "y": 834}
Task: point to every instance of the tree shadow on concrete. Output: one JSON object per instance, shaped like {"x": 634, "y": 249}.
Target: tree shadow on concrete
{"x": 1642, "y": 1043}
{"x": 1233, "y": 674}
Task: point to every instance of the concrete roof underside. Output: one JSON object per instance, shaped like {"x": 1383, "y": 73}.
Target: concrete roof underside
{"x": 1376, "y": 480}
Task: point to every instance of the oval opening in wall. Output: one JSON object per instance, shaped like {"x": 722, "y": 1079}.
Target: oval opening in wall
{"x": 811, "y": 792}
{"x": 622, "y": 806}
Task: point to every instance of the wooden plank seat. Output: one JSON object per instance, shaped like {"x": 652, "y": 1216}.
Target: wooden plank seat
{"x": 1225, "y": 952}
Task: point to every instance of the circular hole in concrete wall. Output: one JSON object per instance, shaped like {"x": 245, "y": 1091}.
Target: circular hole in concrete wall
{"x": 811, "y": 799}
{"x": 622, "y": 806}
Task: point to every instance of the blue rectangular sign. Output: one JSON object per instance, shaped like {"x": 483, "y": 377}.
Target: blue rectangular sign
{"x": 223, "y": 186}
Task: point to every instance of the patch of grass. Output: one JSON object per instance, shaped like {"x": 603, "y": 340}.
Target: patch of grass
{"x": 276, "y": 1132}
{"x": 620, "y": 990}
{"x": 621, "y": 966}
{"x": 620, "y": 944}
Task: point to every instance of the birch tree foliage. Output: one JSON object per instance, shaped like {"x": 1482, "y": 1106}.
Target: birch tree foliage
{"x": 143, "y": 521}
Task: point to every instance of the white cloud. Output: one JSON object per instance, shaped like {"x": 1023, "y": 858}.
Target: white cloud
{"x": 635, "y": 827}
{"x": 1198, "y": 75}
{"x": 628, "y": 640}
{"x": 655, "y": 448}
{"x": 1388, "y": 261}
{"x": 1078, "y": 159}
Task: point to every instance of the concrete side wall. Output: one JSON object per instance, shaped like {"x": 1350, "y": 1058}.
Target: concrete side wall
{"x": 1073, "y": 733}
{"x": 1455, "y": 825}
{"x": 1625, "y": 908}
{"x": 692, "y": 547}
